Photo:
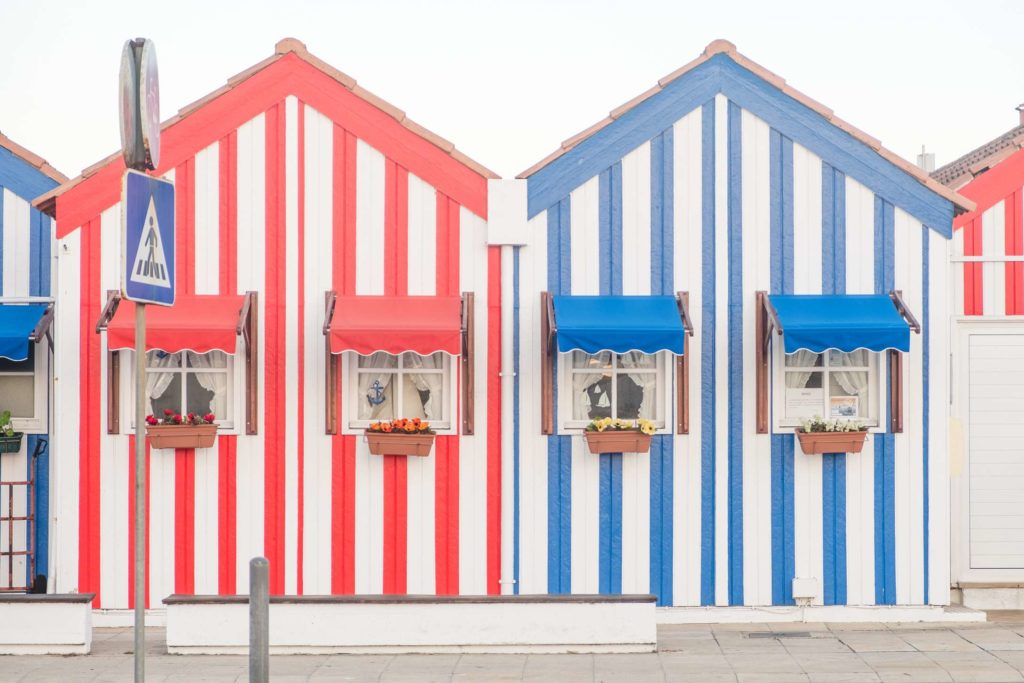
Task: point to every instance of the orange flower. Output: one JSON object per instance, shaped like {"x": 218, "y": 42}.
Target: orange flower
{"x": 409, "y": 428}
{"x": 386, "y": 428}
{"x": 423, "y": 426}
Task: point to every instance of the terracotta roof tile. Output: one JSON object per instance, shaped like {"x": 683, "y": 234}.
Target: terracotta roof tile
{"x": 721, "y": 46}
{"x": 32, "y": 159}
{"x": 283, "y": 47}
{"x": 963, "y": 170}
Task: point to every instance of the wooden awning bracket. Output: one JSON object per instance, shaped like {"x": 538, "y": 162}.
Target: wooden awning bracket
{"x": 42, "y": 328}
{"x": 109, "y": 309}
{"x": 683, "y": 302}
{"x": 244, "y": 326}
{"x": 468, "y": 358}
{"x": 897, "y": 299}
{"x": 552, "y": 327}
{"x": 771, "y": 319}
{"x": 330, "y": 300}
{"x": 547, "y": 363}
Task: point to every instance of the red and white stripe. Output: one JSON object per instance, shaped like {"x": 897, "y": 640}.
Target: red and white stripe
{"x": 286, "y": 186}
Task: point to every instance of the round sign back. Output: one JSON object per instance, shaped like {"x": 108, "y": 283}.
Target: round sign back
{"x": 149, "y": 104}
{"x": 128, "y": 90}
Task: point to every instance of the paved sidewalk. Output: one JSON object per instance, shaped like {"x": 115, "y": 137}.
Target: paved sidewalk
{"x": 834, "y": 653}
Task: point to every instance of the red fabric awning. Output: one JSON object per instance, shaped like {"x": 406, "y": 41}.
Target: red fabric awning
{"x": 198, "y": 323}
{"x": 422, "y": 324}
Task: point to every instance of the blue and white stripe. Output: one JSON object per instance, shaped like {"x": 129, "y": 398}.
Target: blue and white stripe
{"x": 26, "y": 239}
{"x": 722, "y": 200}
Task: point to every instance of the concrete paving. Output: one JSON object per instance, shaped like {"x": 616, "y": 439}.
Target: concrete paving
{"x": 740, "y": 653}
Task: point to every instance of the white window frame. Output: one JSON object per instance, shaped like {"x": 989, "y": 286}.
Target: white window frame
{"x": 227, "y": 424}
{"x": 37, "y": 424}
{"x": 663, "y": 397}
{"x": 351, "y": 424}
{"x": 876, "y": 390}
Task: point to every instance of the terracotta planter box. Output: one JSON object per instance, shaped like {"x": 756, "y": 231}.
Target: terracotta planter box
{"x": 831, "y": 442}
{"x": 11, "y": 444}
{"x": 181, "y": 436}
{"x": 620, "y": 441}
{"x": 399, "y": 443}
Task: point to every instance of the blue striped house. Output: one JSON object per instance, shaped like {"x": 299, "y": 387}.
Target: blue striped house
{"x": 722, "y": 181}
{"x": 26, "y": 259}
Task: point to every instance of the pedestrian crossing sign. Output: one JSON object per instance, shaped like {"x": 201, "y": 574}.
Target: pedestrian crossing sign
{"x": 147, "y": 253}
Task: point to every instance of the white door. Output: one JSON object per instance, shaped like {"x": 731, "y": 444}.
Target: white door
{"x": 989, "y": 395}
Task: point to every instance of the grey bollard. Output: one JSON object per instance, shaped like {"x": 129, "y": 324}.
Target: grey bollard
{"x": 259, "y": 620}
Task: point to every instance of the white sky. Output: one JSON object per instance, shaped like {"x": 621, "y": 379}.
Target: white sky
{"x": 507, "y": 82}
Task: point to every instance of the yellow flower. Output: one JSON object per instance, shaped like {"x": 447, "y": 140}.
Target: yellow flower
{"x": 647, "y": 427}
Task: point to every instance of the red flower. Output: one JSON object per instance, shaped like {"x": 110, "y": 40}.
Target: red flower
{"x": 209, "y": 417}
{"x": 168, "y": 412}
{"x": 177, "y": 419}
{"x": 150, "y": 420}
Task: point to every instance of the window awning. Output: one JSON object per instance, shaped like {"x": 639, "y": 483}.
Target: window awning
{"x": 394, "y": 324}
{"x": 199, "y": 323}
{"x": 19, "y": 325}
{"x": 618, "y": 323}
{"x": 841, "y": 322}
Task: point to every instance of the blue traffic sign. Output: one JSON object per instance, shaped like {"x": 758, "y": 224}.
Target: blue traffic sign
{"x": 147, "y": 244}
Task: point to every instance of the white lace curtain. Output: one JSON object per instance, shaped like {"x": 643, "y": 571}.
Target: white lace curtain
{"x": 582, "y": 381}
{"x": 216, "y": 382}
{"x": 156, "y": 381}
{"x": 647, "y": 381}
{"x": 853, "y": 382}
{"x": 802, "y": 359}
{"x": 430, "y": 382}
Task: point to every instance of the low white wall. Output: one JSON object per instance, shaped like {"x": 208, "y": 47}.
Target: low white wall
{"x": 819, "y": 614}
{"x": 46, "y": 624}
{"x": 311, "y": 624}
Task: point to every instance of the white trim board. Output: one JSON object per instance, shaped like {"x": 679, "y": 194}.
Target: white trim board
{"x": 817, "y": 614}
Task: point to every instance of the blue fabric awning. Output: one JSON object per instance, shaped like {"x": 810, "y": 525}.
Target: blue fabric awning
{"x": 17, "y": 321}
{"x": 842, "y": 322}
{"x": 618, "y": 323}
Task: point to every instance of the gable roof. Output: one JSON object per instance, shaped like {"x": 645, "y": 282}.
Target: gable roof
{"x": 959, "y": 172}
{"x": 248, "y": 89}
{"x": 28, "y": 185}
{"x": 720, "y": 68}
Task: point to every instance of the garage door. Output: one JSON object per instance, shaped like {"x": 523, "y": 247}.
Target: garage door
{"x": 996, "y": 450}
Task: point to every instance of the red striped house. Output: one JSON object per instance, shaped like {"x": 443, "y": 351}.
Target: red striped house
{"x": 987, "y": 477}
{"x": 295, "y": 186}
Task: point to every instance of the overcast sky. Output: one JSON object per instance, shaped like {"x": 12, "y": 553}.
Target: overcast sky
{"x": 507, "y": 82}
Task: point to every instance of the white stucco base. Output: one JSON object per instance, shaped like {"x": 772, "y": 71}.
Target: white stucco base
{"x": 45, "y": 624}
{"x": 992, "y": 597}
{"x": 817, "y": 614}
{"x": 308, "y": 624}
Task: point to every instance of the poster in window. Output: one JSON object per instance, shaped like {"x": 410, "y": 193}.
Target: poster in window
{"x": 804, "y": 402}
{"x": 844, "y": 406}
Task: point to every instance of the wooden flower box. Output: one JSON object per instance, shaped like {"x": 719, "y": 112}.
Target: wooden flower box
{"x": 181, "y": 436}
{"x": 618, "y": 441}
{"x": 831, "y": 442}
{"x": 11, "y": 444}
{"x": 399, "y": 443}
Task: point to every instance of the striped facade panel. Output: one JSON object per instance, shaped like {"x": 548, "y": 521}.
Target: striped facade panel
{"x": 721, "y": 204}
{"x": 291, "y": 203}
{"x": 988, "y": 268}
{"x": 26, "y": 239}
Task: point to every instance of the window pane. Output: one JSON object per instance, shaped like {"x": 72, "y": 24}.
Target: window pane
{"x": 27, "y": 365}
{"x": 597, "y": 361}
{"x": 858, "y": 358}
{"x": 422, "y": 392}
{"x": 164, "y": 392}
{"x": 848, "y": 394}
{"x": 591, "y": 395}
{"x": 206, "y": 392}
{"x": 632, "y": 390}
{"x": 378, "y": 360}
{"x": 638, "y": 360}
{"x": 162, "y": 359}
{"x": 213, "y": 359}
{"x": 803, "y": 359}
{"x": 19, "y": 395}
{"x": 375, "y": 395}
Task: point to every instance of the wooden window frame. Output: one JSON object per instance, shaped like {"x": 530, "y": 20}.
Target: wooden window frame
{"x": 767, "y": 319}
{"x": 332, "y": 363}
{"x": 548, "y": 331}
{"x": 247, "y": 328}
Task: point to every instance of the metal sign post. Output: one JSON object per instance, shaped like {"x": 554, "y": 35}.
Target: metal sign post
{"x": 147, "y": 273}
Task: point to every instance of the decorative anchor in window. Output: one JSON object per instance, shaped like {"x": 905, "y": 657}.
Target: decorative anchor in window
{"x": 375, "y": 396}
